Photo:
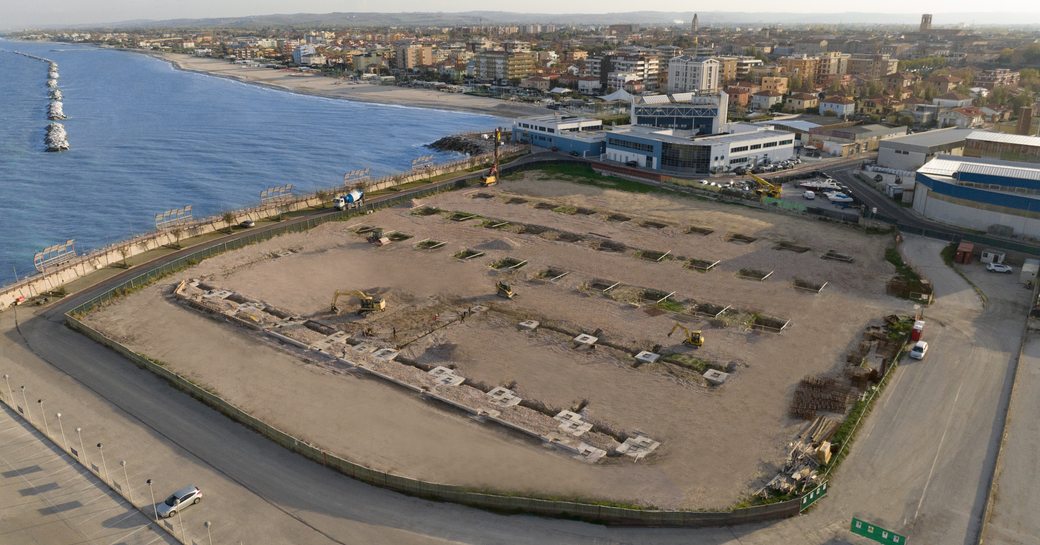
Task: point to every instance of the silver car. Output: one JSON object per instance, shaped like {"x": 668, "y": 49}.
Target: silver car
{"x": 189, "y": 495}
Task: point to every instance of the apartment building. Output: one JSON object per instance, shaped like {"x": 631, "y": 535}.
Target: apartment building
{"x": 686, "y": 74}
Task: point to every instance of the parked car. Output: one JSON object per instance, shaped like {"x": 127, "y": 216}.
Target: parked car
{"x": 919, "y": 350}
{"x": 631, "y": 163}
{"x": 998, "y": 268}
{"x": 247, "y": 224}
{"x": 189, "y": 495}
{"x": 809, "y": 195}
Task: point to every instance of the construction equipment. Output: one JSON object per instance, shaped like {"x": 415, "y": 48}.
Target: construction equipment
{"x": 765, "y": 188}
{"x": 505, "y": 290}
{"x": 491, "y": 178}
{"x": 368, "y": 303}
{"x": 690, "y": 337}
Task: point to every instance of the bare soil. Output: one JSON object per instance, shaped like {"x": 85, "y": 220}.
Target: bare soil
{"x": 717, "y": 444}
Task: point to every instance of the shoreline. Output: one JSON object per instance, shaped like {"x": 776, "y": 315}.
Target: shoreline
{"x": 326, "y": 87}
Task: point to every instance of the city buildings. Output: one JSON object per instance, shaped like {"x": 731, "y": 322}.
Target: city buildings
{"x": 411, "y": 56}
{"x": 872, "y": 67}
{"x": 679, "y": 152}
{"x": 997, "y": 77}
{"x": 501, "y": 66}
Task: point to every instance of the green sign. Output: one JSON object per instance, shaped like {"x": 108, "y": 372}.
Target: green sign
{"x": 813, "y": 495}
{"x": 877, "y": 533}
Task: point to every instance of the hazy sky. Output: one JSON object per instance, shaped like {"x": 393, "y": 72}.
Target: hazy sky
{"x": 20, "y": 13}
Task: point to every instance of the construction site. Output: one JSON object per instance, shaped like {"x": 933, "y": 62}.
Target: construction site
{"x": 547, "y": 335}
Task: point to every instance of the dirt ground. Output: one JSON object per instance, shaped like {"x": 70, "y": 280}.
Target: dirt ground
{"x": 717, "y": 444}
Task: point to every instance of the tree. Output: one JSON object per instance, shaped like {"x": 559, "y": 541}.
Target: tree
{"x": 229, "y": 219}
{"x": 177, "y": 233}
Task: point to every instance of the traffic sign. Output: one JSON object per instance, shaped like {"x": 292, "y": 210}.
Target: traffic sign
{"x": 813, "y": 496}
{"x": 877, "y": 533}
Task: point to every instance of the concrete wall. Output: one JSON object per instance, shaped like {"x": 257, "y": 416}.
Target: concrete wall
{"x": 947, "y": 211}
{"x": 113, "y": 254}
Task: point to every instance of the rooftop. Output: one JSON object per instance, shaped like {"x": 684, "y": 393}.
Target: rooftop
{"x": 929, "y": 139}
{"x": 1004, "y": 138}
{"x": 948, "y": 166}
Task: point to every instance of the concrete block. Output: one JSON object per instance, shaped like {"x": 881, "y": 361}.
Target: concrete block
{"x": 572, "y": 423}
{"x": 585, "y": 340}
{"x": 385, "y": 354}
{"x": 647, "y": 357}
{"x": 443, "y": 376}
{"x": 715, "y": 377}
{"x": 529, "y": 325}
{"x": 504, "y": 397}
{"x": 589, "y": 454}
{"x": 638, "y": 447}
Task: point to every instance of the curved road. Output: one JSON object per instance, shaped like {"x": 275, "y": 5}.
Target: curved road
{"x": 929, "y": 481}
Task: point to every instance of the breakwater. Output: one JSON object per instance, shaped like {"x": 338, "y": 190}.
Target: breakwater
{"x": 56, "y": 138}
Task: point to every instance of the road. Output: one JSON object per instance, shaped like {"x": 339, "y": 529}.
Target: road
{"x": 919, "y": 465}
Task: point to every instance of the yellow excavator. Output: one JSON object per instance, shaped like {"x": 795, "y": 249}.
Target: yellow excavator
{"x": 491, "y": 178}
{"x": 766, "y": 188}
{"x": 368, "y": 303}
{"x": 505, "y": 290}
{"x": 692, "y": 338}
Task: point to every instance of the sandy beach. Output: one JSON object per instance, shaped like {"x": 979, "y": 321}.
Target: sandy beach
{"x": 362, "y": 92}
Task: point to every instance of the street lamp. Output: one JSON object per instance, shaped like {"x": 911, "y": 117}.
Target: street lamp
{"x": 155, "y": 509}
{"x": 103, "y": 464}
{"x": 129, "y": 494}
{"x": 82, "y": 449}
{"x": 28, "y": 415}
{"x": 207, "y": 524}
{"x": 62, "y": 428}
{"x": 46, "y": 428}
{"x": 10, "y": 396}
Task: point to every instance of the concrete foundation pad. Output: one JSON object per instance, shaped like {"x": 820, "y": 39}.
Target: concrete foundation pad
{"x": 647, "y": 357}
{"x": 443, "y": 376}
{"x": 529, "y": 325}
{"x": 585, "y": 340}
{"x": 715, "y": 377}
{"x": 638, "y": 447}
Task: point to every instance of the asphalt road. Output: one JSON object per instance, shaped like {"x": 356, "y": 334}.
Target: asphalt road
{"x": 919, "y": 465}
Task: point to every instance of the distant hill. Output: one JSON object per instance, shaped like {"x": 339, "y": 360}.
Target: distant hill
{"x": 346, "y": 19}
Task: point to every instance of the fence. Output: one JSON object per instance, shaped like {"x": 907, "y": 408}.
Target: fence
{"x": 603, "y": 514}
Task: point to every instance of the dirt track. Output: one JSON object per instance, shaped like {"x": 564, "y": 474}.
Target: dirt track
{"x": 716, "y": 444}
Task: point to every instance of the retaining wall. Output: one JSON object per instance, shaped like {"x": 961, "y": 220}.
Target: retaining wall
{"x": 602, "y": 514}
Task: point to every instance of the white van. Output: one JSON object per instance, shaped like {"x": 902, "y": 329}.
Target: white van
{"x": 809, "y": 195}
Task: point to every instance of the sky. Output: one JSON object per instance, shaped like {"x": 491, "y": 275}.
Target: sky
{"x": 16, "y": 14}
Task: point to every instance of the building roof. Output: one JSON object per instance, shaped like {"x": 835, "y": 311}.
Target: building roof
{"x": 1004, "y": 138}
{"x": 678, "y": 136}
{"x": 948, "y": 166}
{"x": 930, "y": 139}
{"x": 796, "y": 124}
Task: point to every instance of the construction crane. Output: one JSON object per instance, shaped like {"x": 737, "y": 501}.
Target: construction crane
{"x": 766, "y": 188}
{"x": 505, "y": 290}
{"x": 368, "y": 303}
{"x": 491, "y": 178}
{"x": 692, "y": 338}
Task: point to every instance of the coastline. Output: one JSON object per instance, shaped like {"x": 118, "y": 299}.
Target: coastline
{"x": 316, "y": 85}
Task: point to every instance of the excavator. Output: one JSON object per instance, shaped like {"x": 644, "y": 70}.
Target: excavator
{"x": 692, "y": 338}
{"x": 505, "y": 290}
{"x": 368, "y": 303}
{"x": 491, "y": 178}
{"x": 766, "y": 188}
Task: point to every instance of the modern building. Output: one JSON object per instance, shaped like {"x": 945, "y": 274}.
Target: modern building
{"x": 984, "y": 194}
{"x": 687, "y": 74}
{"x": 1008, "y": 147}
{"x": 680, "y": 152}
{"x": 569, "y": 134}
{"x": 912, "y": 151}
{"x": 703, "y": 113}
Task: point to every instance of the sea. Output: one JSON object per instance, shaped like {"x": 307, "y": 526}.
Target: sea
{"x": 146, "y": 137}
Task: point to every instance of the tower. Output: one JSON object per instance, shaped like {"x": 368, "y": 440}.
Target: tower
{"x": 694, "y": 26}
{"x": 926, "y": 22}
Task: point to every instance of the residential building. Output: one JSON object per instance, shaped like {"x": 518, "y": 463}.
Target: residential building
{"x": 872, "y": 67}
{"x": 680, "y": 152}
{"x": 843, "y": 107}
{"x": 802, "y": 66}
{"x": 568, "y": 134}
{"x": 536, "y": 82}
{"x": 832, "y": 65}
{"x": 588, "y": 85}
{"x": 765, "y": 100}
{"x": 727, "y": 69}
{"x": 745, "y": 65}
{"x": 1008, "y": 147}
{"x": 963, "y": 118}
{"x": 952, "y": 100}
{"x": 997, "y": 77}
{"x": 982, "y": 194}
{"x": 800, "y": 102}
{"x": 775, "y": 83}
{"x": 307, "y": 55}
{"x": 702, "y": 113}
{"x": 412, "y": 56}
{"x": 738, "y": 95}
{"x": 502, "y": 66}
{"x": 912, "y": 151}
{"x": 686, "y": 74}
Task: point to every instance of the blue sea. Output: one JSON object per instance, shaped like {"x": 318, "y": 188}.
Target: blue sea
{"x": 146, "y": 138}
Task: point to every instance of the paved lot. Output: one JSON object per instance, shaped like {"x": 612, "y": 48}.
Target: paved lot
{"x": 45, "y": 498}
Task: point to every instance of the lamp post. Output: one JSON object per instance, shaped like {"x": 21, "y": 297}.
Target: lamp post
{"x": 155, "y": 509}
{"x": 82, "y": 449}
{"x": 209, "y": 536}
{"x": 101, "y": 448}
{"x": 62, "y": 428}
{"x": 10, "y": 396}
{"x": 25, "y": 400}
{"x": 129, "y": 494}
{"x": 46, "y": 428}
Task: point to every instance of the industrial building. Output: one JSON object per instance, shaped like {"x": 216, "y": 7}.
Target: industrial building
{"x": 1009, "y": 147}
{"x": 1000, "y": 197}
{"x": 704, "y": 113}
{"x": 570, "y": 134}
{"x": 911, "y": 152}
{"x": 681, "y": 152}
{"x": 847, "y": 141}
